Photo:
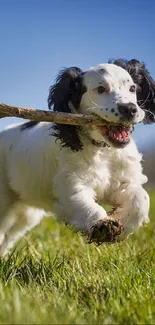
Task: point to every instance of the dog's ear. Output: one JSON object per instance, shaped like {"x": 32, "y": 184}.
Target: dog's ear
{"x": 65, "y": 96}
{"x": 67, "y": 89}
{"x": 145, "y": 86}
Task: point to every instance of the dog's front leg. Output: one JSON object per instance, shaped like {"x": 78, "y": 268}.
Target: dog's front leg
{"x": 75, "y": 204}
{"x": 134, "y": 205}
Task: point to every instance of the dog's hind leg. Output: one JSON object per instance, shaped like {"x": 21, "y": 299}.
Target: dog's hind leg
{"x": 25, "y": 218}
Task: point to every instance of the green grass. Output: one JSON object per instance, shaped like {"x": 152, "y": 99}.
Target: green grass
{"x": 72, "y": 282}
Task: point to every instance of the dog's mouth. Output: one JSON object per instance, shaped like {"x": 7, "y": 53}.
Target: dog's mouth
{"x": 119, "y": 135}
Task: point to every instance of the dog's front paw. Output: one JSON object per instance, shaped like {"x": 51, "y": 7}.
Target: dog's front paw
{"x": 105, "y": 231}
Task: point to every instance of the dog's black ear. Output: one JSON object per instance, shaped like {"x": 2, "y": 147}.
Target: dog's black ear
{"x": 65, "y": 96}
{"x": 145, "y": 86}
{"x": 145, "y": 89}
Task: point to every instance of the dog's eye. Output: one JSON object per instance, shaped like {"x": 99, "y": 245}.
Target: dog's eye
{"x": 101, "y": 89}
{"x": 133, "y": 89}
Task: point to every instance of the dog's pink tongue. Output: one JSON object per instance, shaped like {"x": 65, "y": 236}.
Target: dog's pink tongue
{"x": 120, "y": 132}
{"x": 117, "y": 132}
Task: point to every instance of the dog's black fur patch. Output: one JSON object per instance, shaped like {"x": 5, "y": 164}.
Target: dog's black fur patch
{"x": 64, "y": 95}
{"x": 29, "y": 125}
{"x": 145, "y": 86}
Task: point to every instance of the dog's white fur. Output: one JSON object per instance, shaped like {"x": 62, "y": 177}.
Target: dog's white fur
{"x": 38, "y": 177}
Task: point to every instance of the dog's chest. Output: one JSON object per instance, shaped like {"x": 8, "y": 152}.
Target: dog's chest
{"x": 96, "y": 171}
{"x": 110, "y": 169}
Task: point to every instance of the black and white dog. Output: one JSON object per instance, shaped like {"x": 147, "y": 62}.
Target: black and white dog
{"x": 73, "y": 171}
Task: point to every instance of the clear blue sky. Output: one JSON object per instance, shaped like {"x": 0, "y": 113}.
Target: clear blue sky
{"x": 39, "y": 37}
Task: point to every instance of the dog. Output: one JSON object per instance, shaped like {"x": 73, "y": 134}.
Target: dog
{"x": 73, "y": 171}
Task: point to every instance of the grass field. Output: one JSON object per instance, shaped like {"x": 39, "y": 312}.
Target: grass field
{"x": 66, "y": 281}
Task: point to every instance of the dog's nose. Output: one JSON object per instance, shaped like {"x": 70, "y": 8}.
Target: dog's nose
{"x": 128, "y": 110}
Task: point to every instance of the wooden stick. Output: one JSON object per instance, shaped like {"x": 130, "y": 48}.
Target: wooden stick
{"x": 48, "y": 116}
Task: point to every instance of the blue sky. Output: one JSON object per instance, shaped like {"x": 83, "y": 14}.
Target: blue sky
{"x": 39, "y": 37}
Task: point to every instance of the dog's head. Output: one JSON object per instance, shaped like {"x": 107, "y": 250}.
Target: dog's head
{"x": 145, "y": 86}
{"x": 106, "y": 90}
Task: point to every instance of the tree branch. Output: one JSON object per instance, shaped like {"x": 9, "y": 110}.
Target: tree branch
{"x": 48, "y": 116}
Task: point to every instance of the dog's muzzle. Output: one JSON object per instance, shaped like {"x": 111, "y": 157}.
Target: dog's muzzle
{"x": 128, "y": 111}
